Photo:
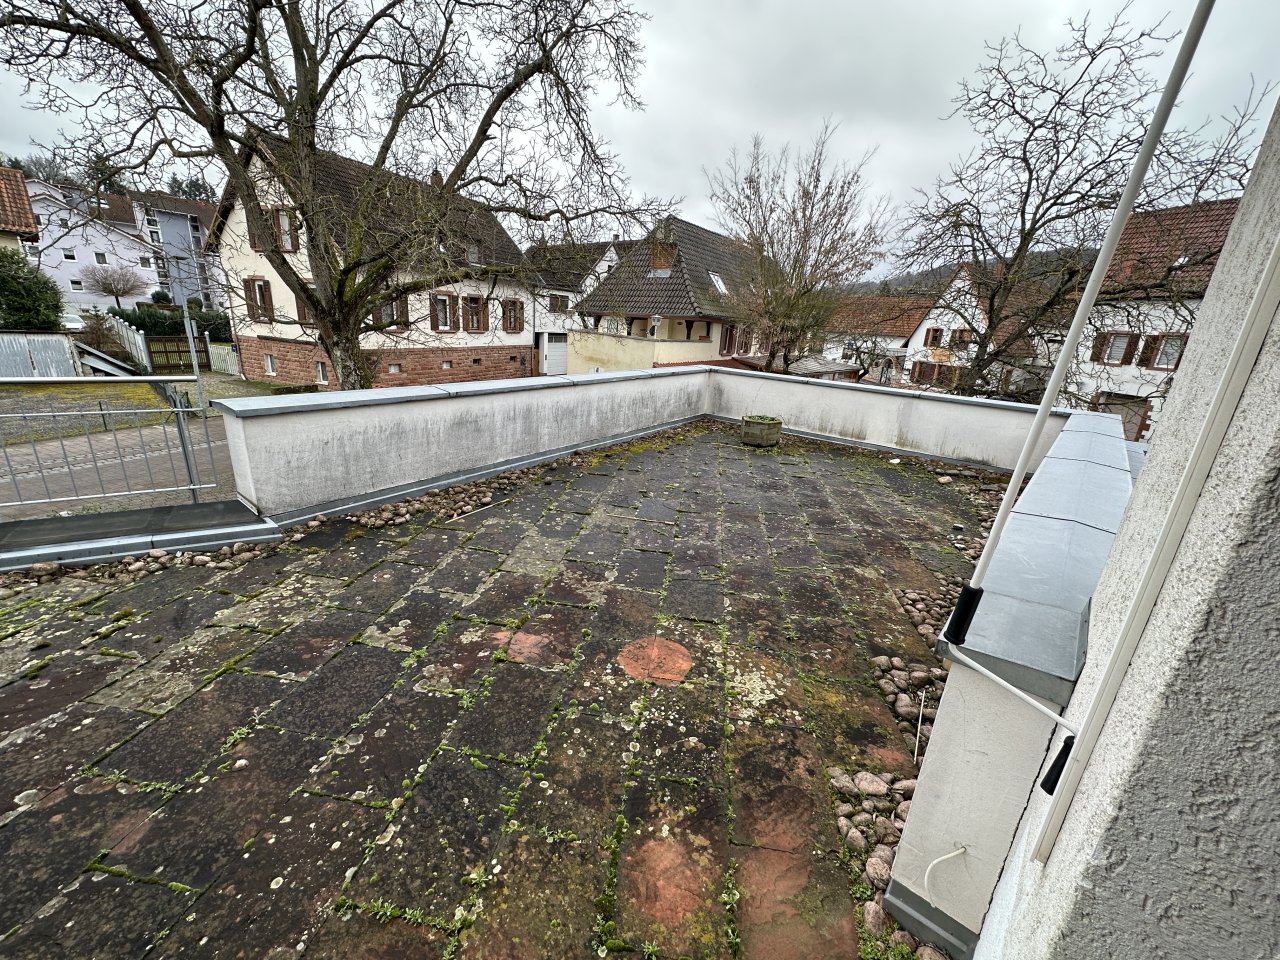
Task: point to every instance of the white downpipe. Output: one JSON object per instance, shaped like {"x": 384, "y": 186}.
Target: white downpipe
{"x": 1167, "y": 101}
{"x": 1222, "y": 408}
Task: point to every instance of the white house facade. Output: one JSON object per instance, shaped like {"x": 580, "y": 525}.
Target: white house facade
{"x": 475, "y": 329}
{"x": 1135, "y": 340}
{"x": 565, "y": 273}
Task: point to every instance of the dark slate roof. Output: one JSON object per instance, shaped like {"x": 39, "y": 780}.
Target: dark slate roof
{"x": 16, "y": 215}
{"x": 1177, "y": 246}
{"x": 566, "y": 266}
{"x": 344, "y": 182}
{"x": 687, "y": 290}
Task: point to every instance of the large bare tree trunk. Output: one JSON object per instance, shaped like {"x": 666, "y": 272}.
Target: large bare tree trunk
{"x": 350, "y": 364}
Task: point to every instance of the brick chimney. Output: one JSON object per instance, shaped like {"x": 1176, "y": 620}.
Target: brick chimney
{"x": 662, "y": 248}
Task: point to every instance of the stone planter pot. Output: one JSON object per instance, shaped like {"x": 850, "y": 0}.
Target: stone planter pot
{"x": 760, "y": 431}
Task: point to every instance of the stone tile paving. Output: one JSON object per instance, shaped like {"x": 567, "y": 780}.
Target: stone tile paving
{"x": 593, "y": 718}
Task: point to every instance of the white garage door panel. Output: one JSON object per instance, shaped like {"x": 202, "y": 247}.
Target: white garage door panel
{"x": 557, "y": 353}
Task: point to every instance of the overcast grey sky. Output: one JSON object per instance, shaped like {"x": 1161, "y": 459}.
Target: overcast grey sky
{"x": 720, "y": 70}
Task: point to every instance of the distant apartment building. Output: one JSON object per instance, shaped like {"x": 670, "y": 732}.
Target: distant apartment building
{"x": 161, "y": 237}
{"x": 78, "y": 232}
{"x": 180, "y": 228}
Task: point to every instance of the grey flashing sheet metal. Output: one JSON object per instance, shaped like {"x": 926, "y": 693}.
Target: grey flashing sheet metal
{"x": 1031, "y": 627}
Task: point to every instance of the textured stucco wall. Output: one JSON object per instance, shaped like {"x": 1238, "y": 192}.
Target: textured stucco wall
{"x": 1171, "y": 848}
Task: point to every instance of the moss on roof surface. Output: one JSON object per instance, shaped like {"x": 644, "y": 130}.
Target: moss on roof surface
{"x": 584, "y": 719}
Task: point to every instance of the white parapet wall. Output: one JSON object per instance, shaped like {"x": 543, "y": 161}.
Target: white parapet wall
{"x": 311, "y": 451}
{"x": 315, "y": 452}
{"x": 966, "y": 429}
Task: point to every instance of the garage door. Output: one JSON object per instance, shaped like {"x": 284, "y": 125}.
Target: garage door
{"x": 557, "y": 353}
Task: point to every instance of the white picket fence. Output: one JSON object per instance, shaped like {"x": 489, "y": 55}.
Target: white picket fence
{"x": 224, "y": 359}
{"x": 131, "y": 338}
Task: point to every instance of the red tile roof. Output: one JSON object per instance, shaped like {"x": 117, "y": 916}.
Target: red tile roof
{"x": 16, "y": 215}
{"x": 886, "y": 315}
{"x": 1174, "y": 249}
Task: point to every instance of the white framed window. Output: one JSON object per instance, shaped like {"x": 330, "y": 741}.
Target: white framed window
{"x": 1118, "y": 348}
{"x": 472, "y": 317}
{"x": 447, "y": 365}
{"x": 77, "y": 284}
{"x": 155, "y": 236}
{"x": 33, "y": 250}
{"x": 269, "y": 364}
{"x": 99, "y": 257}
{"x": 64, "y": 223}
{"x": 393, "y": 368}
{"x": 68, "y": 253}
{"x": 322, "y": 372}
{"x": 440, "y": 307}
{"x": 144, "y": 262}
{"x": 1168, "y": 352}
{"x": 149, "y": 216}
{"x": 39, "y": 220}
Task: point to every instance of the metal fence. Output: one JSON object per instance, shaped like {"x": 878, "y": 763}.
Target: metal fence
{"x": 52, "y": 456}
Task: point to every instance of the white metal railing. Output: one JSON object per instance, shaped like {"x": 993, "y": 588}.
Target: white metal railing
{"x": 55, "y": 456}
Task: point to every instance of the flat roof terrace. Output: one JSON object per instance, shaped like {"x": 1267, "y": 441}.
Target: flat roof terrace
{"x": 596, "y": 715}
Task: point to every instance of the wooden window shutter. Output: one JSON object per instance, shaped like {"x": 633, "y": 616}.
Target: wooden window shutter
{"x": 292, "y": 221}
{"x": 453, "y": 312}
{"x": 519, "y": 305}
{"x": 1150, "y": 348}
{"x": 306, "y": 316}
{"x": 1099, "y": 351}
{"x": 484, "y": 314}
{"x": 435, "y": 316}
{"x": 267, "y": 307}
{"x": 256, "y": 239}
{"x": 250, "y": 299}
{"x": 1130, "y": 349}
{"x": 402, "y": 311}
